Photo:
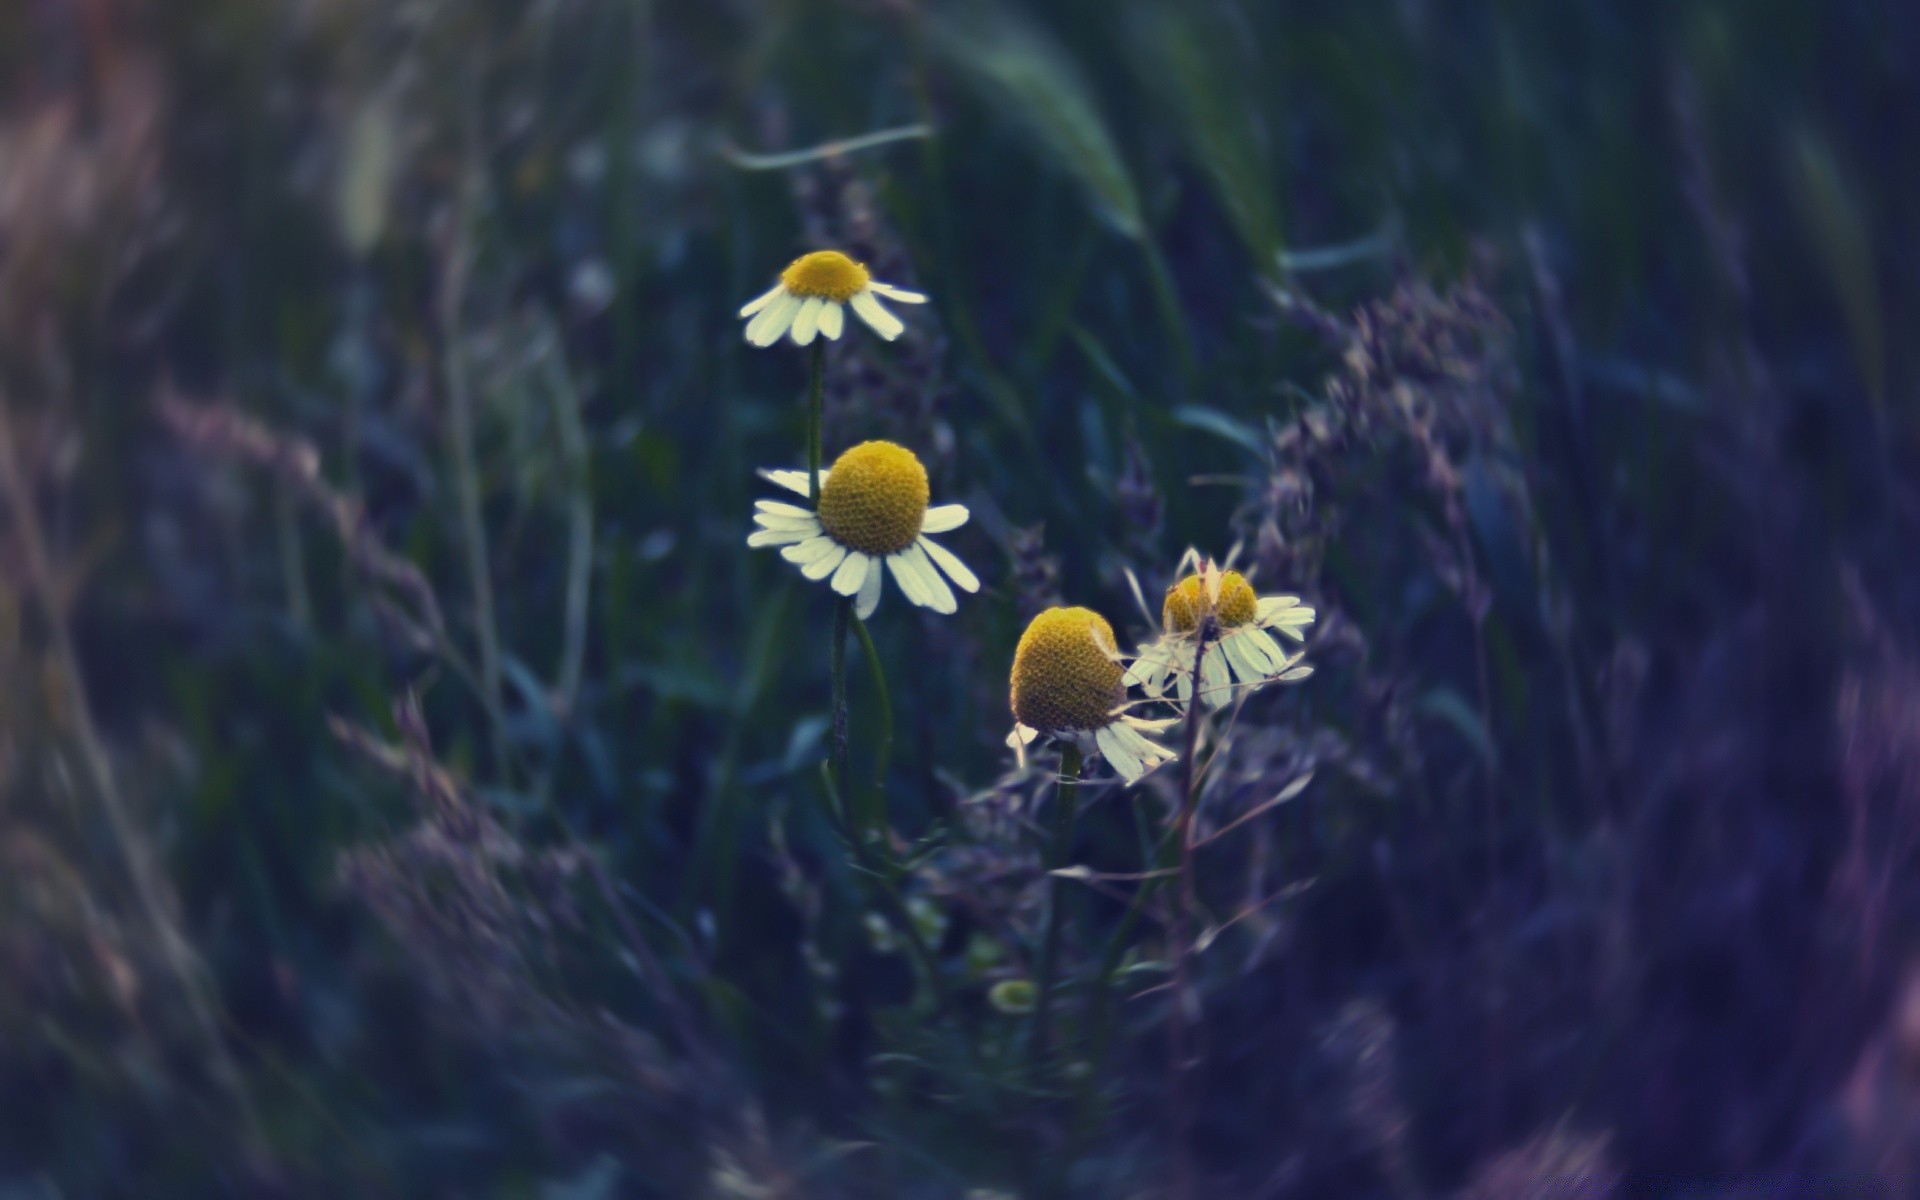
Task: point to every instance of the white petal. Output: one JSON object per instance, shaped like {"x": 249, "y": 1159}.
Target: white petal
{"x": 777, "y": 537}
{"x": 762, "y": 300}
{"x": 1018, "y": 739}
{"x": 1269, "y": 606}
{"x": 780, "y": 508}
{"x": 1243, "y": 669}
{"x": 1216, "y": 681}
{"x": 793, "y": 481}
{"x": 765, "y": 329}
{"x": 942, "y": 517}
{"x": 826, "y": 564}
{"x": 869, "y": 593}
{"x": 808, "y": 551}
{"x": 907, "y": 578}
{"x": 768, "y": 521}
{"x": 852, "y": 573}
{"x": 934, "y": 591}
{"x": 901, "y": 294}
{"x": 1152, "y": 726}
{"x": 833, "y": 319}
{"x": 1125, "y": 763}
{"x": 1151, "y": 754}
{"x": 883, "y": 322}
{"x": 806, "y": 322}
{"x": 955, "y": 569}
{"x": 1266, "y": 651}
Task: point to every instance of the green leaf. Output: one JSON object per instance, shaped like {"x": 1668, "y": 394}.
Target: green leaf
{"x": 1018, "y": 67}
{"x": 1188, "y": 61}
{"x": 1213, "y": 421}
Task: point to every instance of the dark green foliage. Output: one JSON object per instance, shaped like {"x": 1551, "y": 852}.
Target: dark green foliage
{"x": 1552, "y": 351}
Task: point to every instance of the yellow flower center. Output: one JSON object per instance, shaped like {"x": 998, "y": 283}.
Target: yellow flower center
{"x": 1064, "y": 675}
{"x": 827, "y": 274}
{"x": 1186, "y": 602}
{"x": 875, "y": 498}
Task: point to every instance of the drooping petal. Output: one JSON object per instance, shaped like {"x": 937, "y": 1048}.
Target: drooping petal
{"x": 851, "y": 573}
{"x": 1266, "y": 651}
{"x": 1125, "y": 762}
{"x": 934, "y": 592}
{"x": 762, "y": 300}
{"x": 906, "y": 577}
{"x": 883, "y": 322}
{"x": 1018, "y": 739}
{"x": 826, "y": 564}
{"x": 833, "y": 318}
{"x": 1241, "y": 659}
{"x": 869, "y": 593}
{"x": 1150, "y": 753}
{"x": 765, "y": 329}
{"x": 806, "y": 322}
{"x": 901, "y": 294}
{"x": 1216, "y": 681}
{"x": 955, "y": 569}
{"x": 943, "y": 517}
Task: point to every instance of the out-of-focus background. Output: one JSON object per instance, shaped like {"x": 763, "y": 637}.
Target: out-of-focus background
{"x": 408, "y": 776}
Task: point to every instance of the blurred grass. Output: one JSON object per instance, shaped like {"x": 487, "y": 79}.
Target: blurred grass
{"x": 1716, "y": 192}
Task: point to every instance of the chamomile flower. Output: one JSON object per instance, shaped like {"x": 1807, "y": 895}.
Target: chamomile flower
{"x": 873, "y": 510}
{"x": 1221, "y": 607}
{"x": 809, "y": 300}
{"x": 1068, "y": 684}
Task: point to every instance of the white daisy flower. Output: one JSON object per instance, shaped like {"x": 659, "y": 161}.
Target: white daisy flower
{"x": 1068, "y": 684}
{"x": 873, "y": 510}
{"x": 810, "y": 296}
{"x": 1240, "y": 650}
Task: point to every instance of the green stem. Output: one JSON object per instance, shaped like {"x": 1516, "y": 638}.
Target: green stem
{"x": 1065, "y": 806}
{"x": 878, "y": 815}
{"x": 842, "y": 617}
{"x": 1180, "y": 1107}
{"x": 816, "y": 394}
{"x": 1166, "y": 854}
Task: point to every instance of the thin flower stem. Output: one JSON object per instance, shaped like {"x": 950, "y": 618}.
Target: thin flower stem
{"x": 816, "y": 393}
{"x": 878, "y": 815}
{"x": 837, "y": 649}
{"x": 466, "y": 473}
{"x": 1065, "y": 806}
{"x": 1178, "y": 1094}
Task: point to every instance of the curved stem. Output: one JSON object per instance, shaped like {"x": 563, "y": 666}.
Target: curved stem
{"x": 837, "y": 650}
{"x": 1065, "y": 806}
{"x": 881, "y": 754}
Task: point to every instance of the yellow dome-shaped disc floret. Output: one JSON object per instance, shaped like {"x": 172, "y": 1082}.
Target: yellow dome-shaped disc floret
{"x": 827, "y": 274}
{"x": 1064, "y": 673}
{"x": 875, "y": 498}
{"x": 1185, "y": 602}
